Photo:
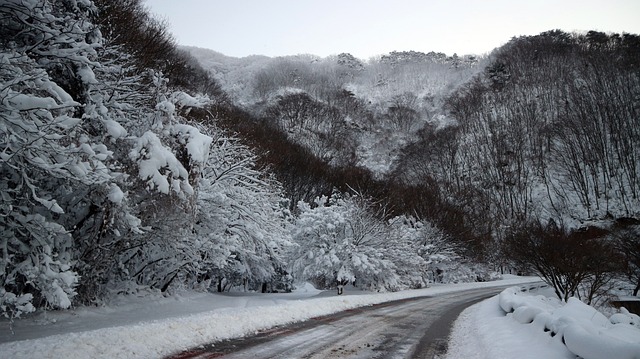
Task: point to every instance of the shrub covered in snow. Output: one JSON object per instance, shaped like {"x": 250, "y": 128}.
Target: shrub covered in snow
{"x": 340, "y": 241}
{"x": 584, "y": 331}
{"x": 343, "y": 240}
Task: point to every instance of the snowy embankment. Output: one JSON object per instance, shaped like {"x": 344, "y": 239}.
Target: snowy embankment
{"x": 520, "y": 325}
{"x": 156, "y": 337}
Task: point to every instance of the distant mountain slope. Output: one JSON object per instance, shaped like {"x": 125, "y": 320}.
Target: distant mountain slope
{"x": 356, "y": 112}
{"x": 234, "y": 74}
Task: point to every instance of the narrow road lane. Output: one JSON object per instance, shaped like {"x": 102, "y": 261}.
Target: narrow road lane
{"x": 414, "y": 328}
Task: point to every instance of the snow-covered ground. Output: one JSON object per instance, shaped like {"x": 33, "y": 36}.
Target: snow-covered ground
{"x": 524, "y": 325}
{"x": 154, "y": 327}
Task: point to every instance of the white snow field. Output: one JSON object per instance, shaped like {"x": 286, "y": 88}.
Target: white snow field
{"x": 153, "y": 328}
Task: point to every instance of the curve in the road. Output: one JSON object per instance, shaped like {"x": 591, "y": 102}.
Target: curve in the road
{"x": 408, "y": 328}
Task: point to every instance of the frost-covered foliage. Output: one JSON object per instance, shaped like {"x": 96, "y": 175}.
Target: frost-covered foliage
{"x": 430, "y": 243}
{"x": 438, "y": 259}
{"x": 101, "y": 171}
{"x": 343, "y": 239}
{"x": 47, "y": 54}
{"x": 168, "y": 160}
{"x": 241, "y": 228}
{"x": 157, "y": 160}
{"x": 339, "y": 241}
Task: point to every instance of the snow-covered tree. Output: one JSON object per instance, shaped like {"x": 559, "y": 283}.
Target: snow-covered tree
{"x": 340, "y": 241}
{"x": 91, "y": 146}
{"x": 53, "y": 155}
{"x": 430, "y": 245}
{"x": 47, "y": 155}
{"x": 166, "y": 162}
{"x": 241, "y": 228}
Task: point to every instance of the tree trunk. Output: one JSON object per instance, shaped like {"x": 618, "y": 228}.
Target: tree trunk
{"x": 341, "y": 284}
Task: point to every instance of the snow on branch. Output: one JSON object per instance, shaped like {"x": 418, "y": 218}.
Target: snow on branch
{"x": 196, "y": 143}
{"x": 158, "y": 166}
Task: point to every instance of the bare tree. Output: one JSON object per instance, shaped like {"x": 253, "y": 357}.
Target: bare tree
{"x": 579, "y": 263}
{"x": 627, "y": 242}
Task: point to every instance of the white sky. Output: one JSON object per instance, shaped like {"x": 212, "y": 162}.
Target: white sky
{"x": 366, "y": 28}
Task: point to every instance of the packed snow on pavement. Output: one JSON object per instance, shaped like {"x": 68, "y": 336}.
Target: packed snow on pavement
{"x": 154, "y": 327}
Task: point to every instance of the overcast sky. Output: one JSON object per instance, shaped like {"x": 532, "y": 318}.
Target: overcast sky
{"x": 366, "y": 28}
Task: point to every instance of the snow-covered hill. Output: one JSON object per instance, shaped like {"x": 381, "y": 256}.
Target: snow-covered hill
{"x": 379, "y": 104}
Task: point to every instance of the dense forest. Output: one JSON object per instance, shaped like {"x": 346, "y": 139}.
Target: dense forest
{"x": 130, "y": 164}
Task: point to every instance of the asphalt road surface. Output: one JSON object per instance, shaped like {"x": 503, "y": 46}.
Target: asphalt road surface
{"x": 413, "y": 328}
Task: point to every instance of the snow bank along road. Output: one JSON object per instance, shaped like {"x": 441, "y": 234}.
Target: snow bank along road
{"x": 144, "y": 328}
{"x": 407, "y": 328}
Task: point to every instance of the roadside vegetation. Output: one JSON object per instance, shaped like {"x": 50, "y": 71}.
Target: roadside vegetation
{"x": 131, "y": 164}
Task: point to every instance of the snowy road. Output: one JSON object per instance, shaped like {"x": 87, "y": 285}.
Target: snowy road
{"x": 410, "y": 328}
